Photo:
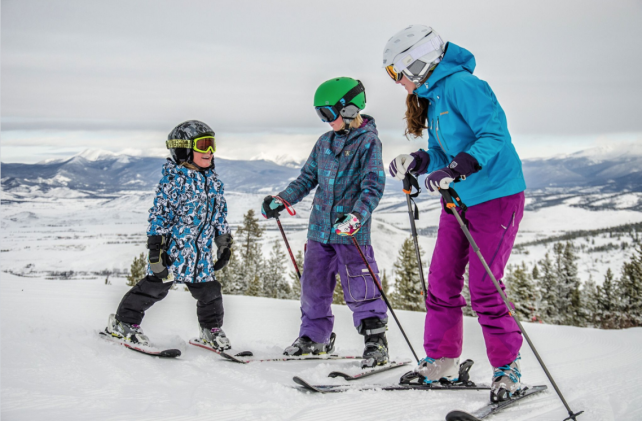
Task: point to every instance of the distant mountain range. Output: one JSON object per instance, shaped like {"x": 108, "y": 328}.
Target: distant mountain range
{"x": 598, "y": 170}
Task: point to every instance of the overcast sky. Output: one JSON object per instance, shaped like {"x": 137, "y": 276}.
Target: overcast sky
{"x": 121, "y": 74}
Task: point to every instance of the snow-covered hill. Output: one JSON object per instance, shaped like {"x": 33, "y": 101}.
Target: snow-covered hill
{"x": 56, "y": 367}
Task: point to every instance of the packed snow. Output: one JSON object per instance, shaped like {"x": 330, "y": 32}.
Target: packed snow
{"x": 55, "y": 365}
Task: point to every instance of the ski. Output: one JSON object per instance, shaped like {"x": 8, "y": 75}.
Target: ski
{"x": 197, "y": 342}
{"x": 493, "y": 408}
{"x": 147, "y": 350}
{"x": 326, "y": 388}
{"x": 367, "y": 373}
{"x": 327, "y": 357}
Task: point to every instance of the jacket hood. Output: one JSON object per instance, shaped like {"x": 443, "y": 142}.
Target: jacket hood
{"x": 456, "y": 59}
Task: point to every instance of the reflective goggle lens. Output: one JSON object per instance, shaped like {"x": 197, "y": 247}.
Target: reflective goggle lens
{"x": 393, "y": 74}
{"x": 204, "y": 144}
{"x": 326, "y": 114}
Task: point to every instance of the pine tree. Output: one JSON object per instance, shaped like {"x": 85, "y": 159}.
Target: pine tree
{"x": 254, "y": 288}
{"x": 137, "y": 270}
{"x": 248, "y": 236}
{"x": 568, "y": 292}
{"x": 384, "y": 283}
{"x": 408, "y": 291}
{"x": 337, "y": 295}
{"x": 607, "y": 303}
{"x": 273, "y": 276}
{"x": 547, "y": 286}
{"x": 588, "y": 296}
{"x": 630, "y": 291}
{"x": 522, "y": 292}
{"x": 535, "y": 272}
{"x": 296, "y": 283}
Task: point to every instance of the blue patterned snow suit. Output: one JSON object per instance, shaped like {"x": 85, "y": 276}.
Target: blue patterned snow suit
{"x": 349, "y": 173}
{"x": 190, "y": 208}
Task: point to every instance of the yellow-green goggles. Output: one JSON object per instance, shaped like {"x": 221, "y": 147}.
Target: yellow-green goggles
{"x": 203, "y": 144}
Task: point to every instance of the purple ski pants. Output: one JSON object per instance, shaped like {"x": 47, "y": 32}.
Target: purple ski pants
{"x": 321, "y": 264}
{"x": 493, "y": 225}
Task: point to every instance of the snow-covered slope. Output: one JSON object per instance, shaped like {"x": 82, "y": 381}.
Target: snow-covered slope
{"x": 55, "y": 366}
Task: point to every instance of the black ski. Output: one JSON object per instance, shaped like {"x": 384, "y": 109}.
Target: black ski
{"x": 197, "y": 342}
{"x": 367, "y": 373}
{"x": 493, "y": 408}
{"x": 326, "y": 388}
{"x": 147, "y": 350}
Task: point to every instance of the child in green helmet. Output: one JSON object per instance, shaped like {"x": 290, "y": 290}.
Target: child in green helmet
{"x": 346, "y": 167}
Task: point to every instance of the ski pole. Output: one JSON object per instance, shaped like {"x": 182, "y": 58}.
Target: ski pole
{"x": 383, "y": 295}
{"x": 452, "y": 199}
{"x": 408, "y": 183}
{"x": 296, "y": 267}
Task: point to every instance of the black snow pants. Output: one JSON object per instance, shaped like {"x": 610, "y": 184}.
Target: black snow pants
{"x": 150, "y": 290}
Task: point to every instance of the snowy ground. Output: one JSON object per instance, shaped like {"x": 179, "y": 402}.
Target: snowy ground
{"x": 54, "y": 365}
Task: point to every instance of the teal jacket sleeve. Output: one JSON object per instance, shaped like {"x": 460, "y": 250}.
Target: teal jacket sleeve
{"x": 305, "y": 182}
{"x": 162, "y": 215}
{"x": 474, "y": 100}
{"x": 373, "y": 181}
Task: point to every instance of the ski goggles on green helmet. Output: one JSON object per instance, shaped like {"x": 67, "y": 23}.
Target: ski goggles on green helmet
{"x": 343, "y": 108}
{"x": 203, "y": 144}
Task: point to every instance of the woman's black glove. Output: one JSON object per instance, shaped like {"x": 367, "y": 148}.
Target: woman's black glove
{"x": 159, "y": 261}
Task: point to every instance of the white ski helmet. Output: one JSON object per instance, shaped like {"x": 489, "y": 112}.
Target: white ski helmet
{"x": 413, "y": 51}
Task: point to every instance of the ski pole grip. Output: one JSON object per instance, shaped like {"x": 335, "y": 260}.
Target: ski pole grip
{"x": 445, "y": 193}
{"x": 406, "y": 184}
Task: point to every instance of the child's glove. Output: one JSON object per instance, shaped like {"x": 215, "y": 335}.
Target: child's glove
{"x": 271, "y": 207}
{"x": 224, "y": 250}
{"x": 159, "y": 261}
{"x": 347, "y": 225}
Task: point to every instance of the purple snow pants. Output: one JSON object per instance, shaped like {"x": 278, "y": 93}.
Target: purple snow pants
{"x": 493, "y": 225}
{"x": 321, "y": 264}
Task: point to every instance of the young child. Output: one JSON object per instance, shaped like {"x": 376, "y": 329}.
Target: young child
{"x": 346, "y": 166}
{"x": 187, "y": 227}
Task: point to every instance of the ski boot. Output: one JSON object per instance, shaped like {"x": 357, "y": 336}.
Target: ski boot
{"x": 215, "y": 337}
{"x": 376, "y": 345}
{"x": 506, "y": 381}
{"x": 442, "y": 370}
{"x": 125, "y": 331}
{"x": 306, "y": 346}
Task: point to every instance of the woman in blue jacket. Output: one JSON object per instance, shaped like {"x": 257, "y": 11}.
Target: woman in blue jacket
{"x": 468, "y": 140}
{"x": 187, "y": 228}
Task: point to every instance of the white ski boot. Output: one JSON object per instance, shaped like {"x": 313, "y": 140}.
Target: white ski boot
{"x": 433, "y": 370}
{"x": 306, "y": 346}
{"x": 215, "y": 337}
{"x": 125, "y": 331}
{"x": 506, "y": 381}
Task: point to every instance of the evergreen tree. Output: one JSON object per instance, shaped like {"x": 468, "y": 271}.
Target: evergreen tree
{"x": 254, "y": 288}
{"x": 465, "y": 292}
{"x": 588, "y": 296}
{"x": 296, "y": 283}
{"x": 337, "y": 295}
{"x": 230, "y": 276}
{"x": 607, "y": 303}
{"x": 568, "y": 293}
{"x": 408, "y": 291}
{"x": 274, "y": 283}
{"x": 137, "y": 270}
{"x": 630, "y": 291}
{"x": 248, "y": 238}
{"x": 547, "y": 286}
{"x": 535, "y": 272}
{"x": 385, "y": 285}
{"x": 522, "y": 292}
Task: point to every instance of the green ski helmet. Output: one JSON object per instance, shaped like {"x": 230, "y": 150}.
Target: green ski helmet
{"x": 341, "y": 96}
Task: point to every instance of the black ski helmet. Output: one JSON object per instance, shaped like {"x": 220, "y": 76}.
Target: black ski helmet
{"x": 187, "y": 131}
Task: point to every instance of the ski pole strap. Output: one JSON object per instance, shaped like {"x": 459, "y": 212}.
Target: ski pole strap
{"x": 288, "y": 207}
{"x": 451, "y": 201}
{"x": 409, "y": 182}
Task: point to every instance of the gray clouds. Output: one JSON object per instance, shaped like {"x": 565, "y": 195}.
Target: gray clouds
{"x": 562, "y": 68}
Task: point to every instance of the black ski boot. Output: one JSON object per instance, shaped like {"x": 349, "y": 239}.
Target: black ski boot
{"x": 306, "y": 346}
{"x": 376, "y": 349}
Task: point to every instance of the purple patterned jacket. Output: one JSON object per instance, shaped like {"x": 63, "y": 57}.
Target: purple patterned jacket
{"x": 349, "y": 173}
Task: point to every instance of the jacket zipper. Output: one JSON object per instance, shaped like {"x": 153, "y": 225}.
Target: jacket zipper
{"x": 439, "y": 140}
{"x": 207, "y": 213}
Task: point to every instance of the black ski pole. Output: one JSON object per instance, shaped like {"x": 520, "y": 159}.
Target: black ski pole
{"x": 408, "y": 183}
{"x": 296, "y": 267}
{"x": 452, "y": 199}
{"x": 383, "y": 295}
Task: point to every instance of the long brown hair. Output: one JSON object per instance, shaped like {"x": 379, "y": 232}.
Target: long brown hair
{"x": 416, "y": 115}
